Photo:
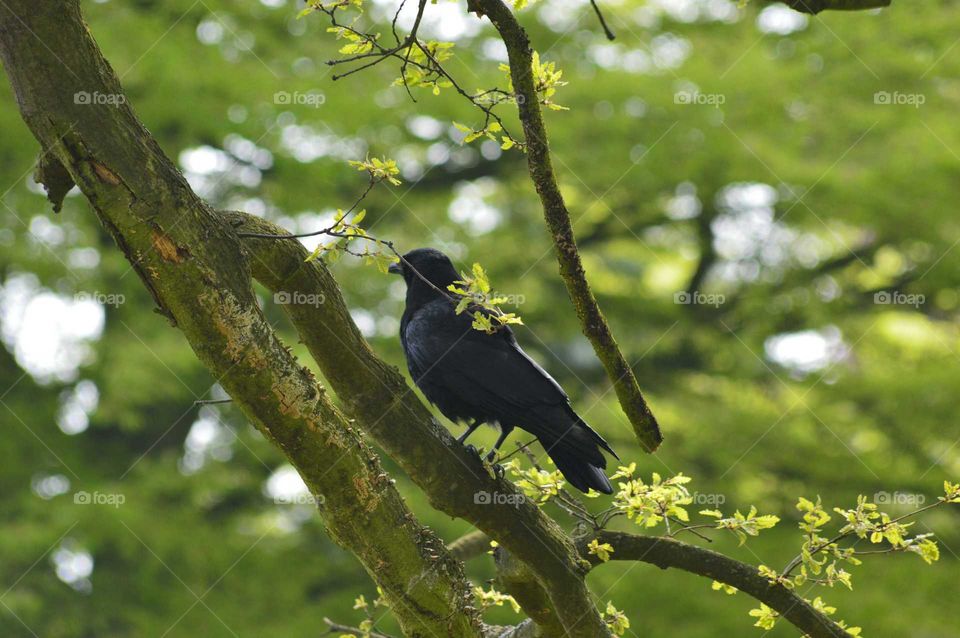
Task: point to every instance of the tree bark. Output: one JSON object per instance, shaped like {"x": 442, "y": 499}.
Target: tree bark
{"x": 192, "y": 263}
{"x": 592, "y": 322}
{"x": 199, "y": 273}
{"x": 387, "y": 409}
{"x": 665, "y": 552}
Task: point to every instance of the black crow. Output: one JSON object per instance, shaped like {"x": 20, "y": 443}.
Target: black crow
{"x": 476, "y": 377}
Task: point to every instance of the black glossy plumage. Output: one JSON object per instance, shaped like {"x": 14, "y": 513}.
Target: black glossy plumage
{"x": 476, "y": 377}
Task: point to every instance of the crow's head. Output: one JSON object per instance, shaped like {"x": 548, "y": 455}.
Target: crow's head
{"x": 431, "y": 264}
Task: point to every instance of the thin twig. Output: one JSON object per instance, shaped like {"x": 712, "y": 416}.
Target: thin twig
{"x": 520, "y": 448}
{"x": 692, "y": 529}
{"x": 329, "y": 230}
{"x": 839, "y": 537}
{"x": 353, "y": 631}
{"x": 603, "y": 23}
{"x": 566, "y": 501}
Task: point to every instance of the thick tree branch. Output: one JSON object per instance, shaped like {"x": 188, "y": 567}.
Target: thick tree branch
{"x": 470, "y": 545}
{"x": 194, "y": 265}
{"x": 708, "y": 254}
{"x": 667, "y": 552}
{"x": 516, "y": 578}
{"x": 592, "y": 322}
{"x": 192, "y": 262}
{"x": 387, "y": 409}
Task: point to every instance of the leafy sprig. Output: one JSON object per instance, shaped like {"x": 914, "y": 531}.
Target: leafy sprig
{"x": 547, "y": 78}
{"x": 487, "y": 598}
{"x": 474, "y": 293}
{"x": 822, "y": 557}
{"x": 616, "y": 620}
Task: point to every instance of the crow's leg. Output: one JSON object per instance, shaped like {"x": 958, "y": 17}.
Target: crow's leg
{"x": 504, "y": 433}
{"x": 470, "y": 430}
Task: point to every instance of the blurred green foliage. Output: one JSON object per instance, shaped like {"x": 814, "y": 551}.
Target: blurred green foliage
{"x": 792, "y": 177}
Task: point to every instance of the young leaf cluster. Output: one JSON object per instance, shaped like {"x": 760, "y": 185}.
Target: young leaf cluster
{"x": 475, "y": 294}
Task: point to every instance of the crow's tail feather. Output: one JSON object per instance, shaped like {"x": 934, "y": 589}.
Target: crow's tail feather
{"x": 578, "y": 472}
{"x": 574, "y": 447}
{"x": 596, "y": 437}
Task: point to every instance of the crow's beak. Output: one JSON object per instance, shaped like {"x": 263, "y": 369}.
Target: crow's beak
{"x": 395, "y": 269}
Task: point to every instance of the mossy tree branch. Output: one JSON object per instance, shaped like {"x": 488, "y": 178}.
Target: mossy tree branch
{"x": 191, "y": 260}
{"x": 335, "y": 342}
{"x": 592, "y": 322}
{"x": 517, "y": 579}
{"x": 192, "y": 263}
{"x": 665, "y": 552}
{"x": 377, "y": 395}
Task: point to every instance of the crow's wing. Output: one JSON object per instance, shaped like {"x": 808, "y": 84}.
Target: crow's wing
{"x": 490, "y": 371}
{"x": 496, "y": 379}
